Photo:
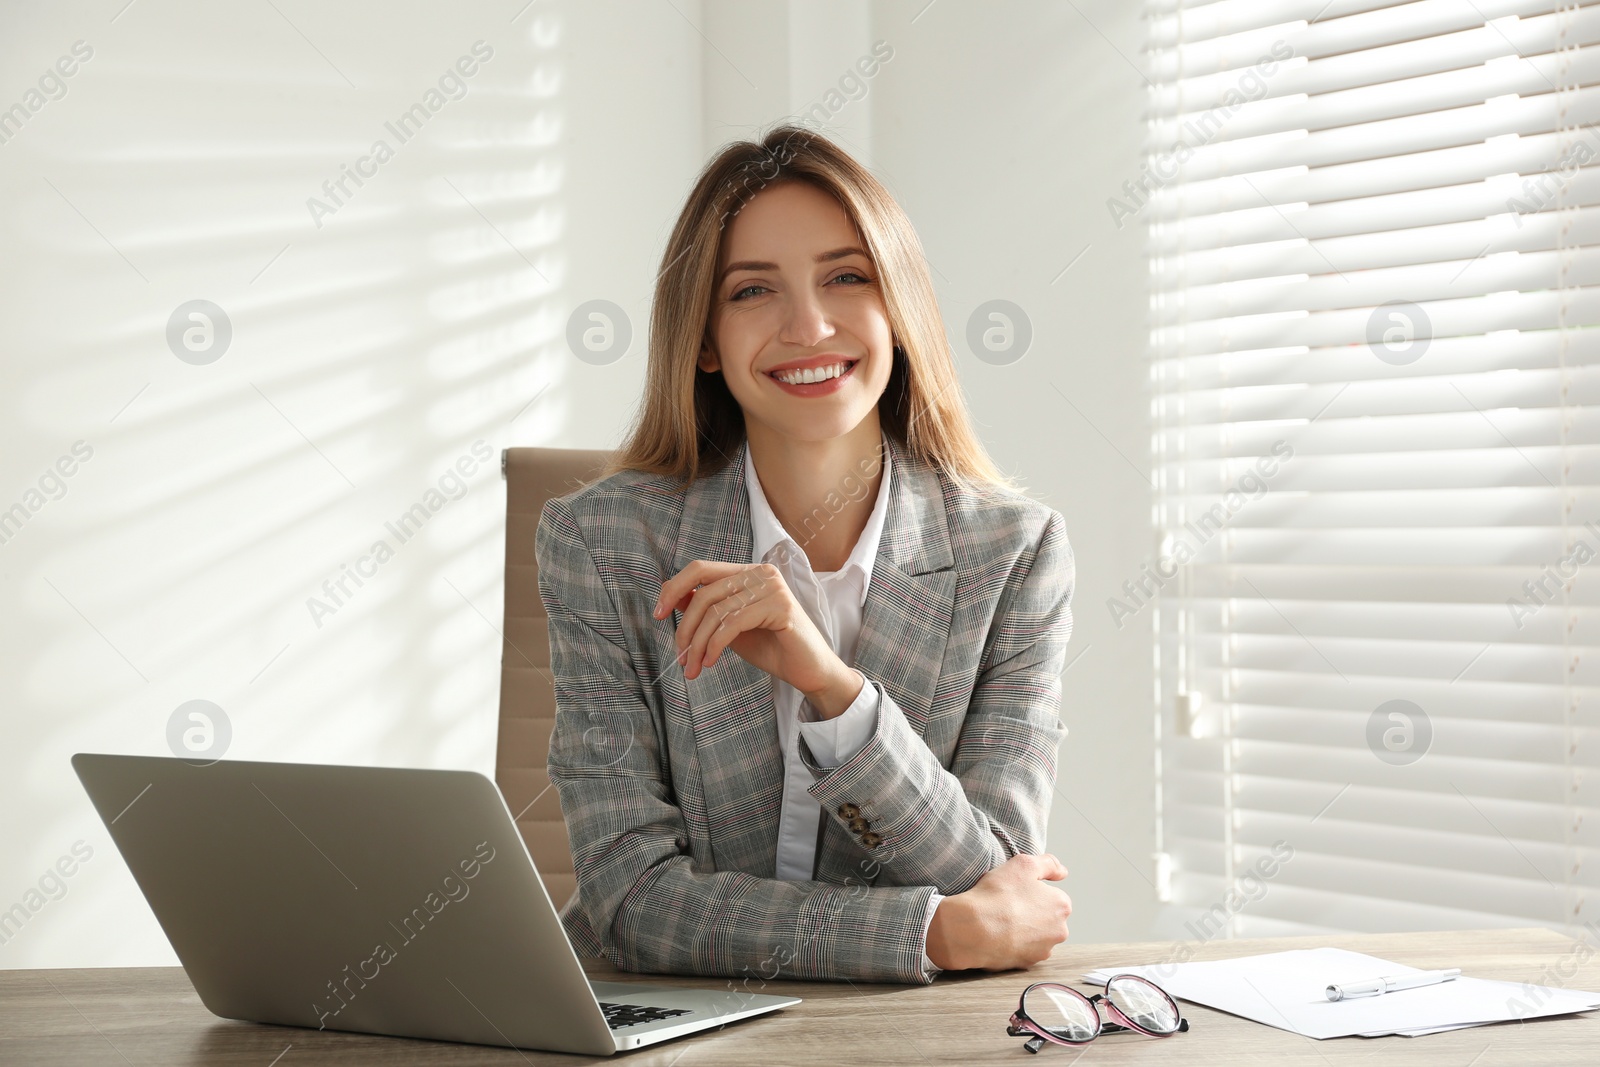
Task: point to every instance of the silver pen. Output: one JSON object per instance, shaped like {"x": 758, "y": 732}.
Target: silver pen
{"x": 1376, "y": 986}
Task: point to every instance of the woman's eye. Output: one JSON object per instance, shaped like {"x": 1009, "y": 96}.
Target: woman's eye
{"x": 860, "y": 279}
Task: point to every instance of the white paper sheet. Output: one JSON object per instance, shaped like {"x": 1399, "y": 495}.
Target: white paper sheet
{"x": 1289, "y": 990}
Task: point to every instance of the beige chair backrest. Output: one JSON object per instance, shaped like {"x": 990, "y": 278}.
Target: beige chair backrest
{"x": 527, "y": 691}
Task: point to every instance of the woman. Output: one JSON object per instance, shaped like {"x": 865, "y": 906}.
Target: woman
{"x": 806, "y": 640}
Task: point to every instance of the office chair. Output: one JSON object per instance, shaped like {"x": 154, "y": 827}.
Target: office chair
{"x": 527, "y": 691}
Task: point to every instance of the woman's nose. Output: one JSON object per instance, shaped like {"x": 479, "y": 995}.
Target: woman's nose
{"x": 806, "y": 322}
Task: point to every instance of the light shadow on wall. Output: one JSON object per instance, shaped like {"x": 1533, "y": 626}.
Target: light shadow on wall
{"x": 378, "y": 363}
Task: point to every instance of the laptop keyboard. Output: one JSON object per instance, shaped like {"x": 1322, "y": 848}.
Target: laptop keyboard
{"x": 620, "y": 1015}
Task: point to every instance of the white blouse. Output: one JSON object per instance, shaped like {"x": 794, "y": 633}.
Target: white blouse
{"x": 834, "y": 600}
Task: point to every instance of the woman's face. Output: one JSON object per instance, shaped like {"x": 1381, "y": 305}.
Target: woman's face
{"x": 795, "y": 290}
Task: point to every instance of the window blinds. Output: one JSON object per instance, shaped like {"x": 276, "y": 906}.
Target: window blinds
{"x": 1374, "y": 247}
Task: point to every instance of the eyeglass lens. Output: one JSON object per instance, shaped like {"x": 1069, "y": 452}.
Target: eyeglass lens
{"x": 1145, "y": 1005}
{"x": 1063, "y": 1012}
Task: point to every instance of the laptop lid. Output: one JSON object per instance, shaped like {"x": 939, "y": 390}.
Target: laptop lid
{"x": 380, "y": 900}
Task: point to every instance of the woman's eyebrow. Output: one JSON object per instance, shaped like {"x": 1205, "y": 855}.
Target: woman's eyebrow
{"x": 823, "y": 257}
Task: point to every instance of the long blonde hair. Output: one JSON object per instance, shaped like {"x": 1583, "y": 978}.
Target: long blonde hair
{"x": 689, "y": 425}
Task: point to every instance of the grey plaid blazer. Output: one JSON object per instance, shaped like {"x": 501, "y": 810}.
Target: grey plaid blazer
{"x": 671, "y": 788}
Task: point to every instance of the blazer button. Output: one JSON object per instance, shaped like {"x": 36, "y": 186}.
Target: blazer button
{"x": 848, "y": 811}
{"x": 859, "y": 825}
{"x": 870, "y": 839}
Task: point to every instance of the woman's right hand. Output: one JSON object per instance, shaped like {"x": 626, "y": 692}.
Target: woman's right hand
{"x": 1010, "y": 919}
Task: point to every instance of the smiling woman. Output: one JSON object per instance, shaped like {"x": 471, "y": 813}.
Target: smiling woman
{"x": 861, "y": 790}
{"x": 772, "y": 195}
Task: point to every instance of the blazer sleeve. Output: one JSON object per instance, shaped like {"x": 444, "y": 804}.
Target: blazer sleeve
{"x": 651, "y": 903}
{"x": 948, "y": 828}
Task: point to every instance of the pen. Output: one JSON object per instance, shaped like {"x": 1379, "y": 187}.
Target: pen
{"x": 1375, "y": 986}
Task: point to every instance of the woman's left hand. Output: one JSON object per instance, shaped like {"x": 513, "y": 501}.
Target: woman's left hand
{"x": 749, "y": 608}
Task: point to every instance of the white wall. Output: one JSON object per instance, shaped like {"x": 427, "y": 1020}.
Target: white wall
{"x": 428, "y": 312}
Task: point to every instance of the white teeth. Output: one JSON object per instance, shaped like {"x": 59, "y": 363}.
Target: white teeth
{"x": 814, "y": 374}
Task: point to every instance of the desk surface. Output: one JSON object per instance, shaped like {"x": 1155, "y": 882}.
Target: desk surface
{"x": 133, "y": 1017}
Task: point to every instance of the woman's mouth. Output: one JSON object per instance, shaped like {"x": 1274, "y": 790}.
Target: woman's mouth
{"x": 815, "y": 381}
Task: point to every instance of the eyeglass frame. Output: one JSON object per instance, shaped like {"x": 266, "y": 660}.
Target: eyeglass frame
{"x": 1020, "y": 1023}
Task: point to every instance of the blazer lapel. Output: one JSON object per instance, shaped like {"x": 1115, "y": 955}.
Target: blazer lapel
{"x": 731, "y": 706}
{"x": 905, "y": 623}
{"x": 905, "y": 626}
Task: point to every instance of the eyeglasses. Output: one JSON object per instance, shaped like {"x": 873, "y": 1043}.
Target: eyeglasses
{"x": 1050, "y": 1011}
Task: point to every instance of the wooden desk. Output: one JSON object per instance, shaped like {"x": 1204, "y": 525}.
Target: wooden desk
{"x": 134, "y": 1017}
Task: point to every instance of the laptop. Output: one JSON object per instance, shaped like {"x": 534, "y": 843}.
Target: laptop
{"x": 375, "y": 900}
